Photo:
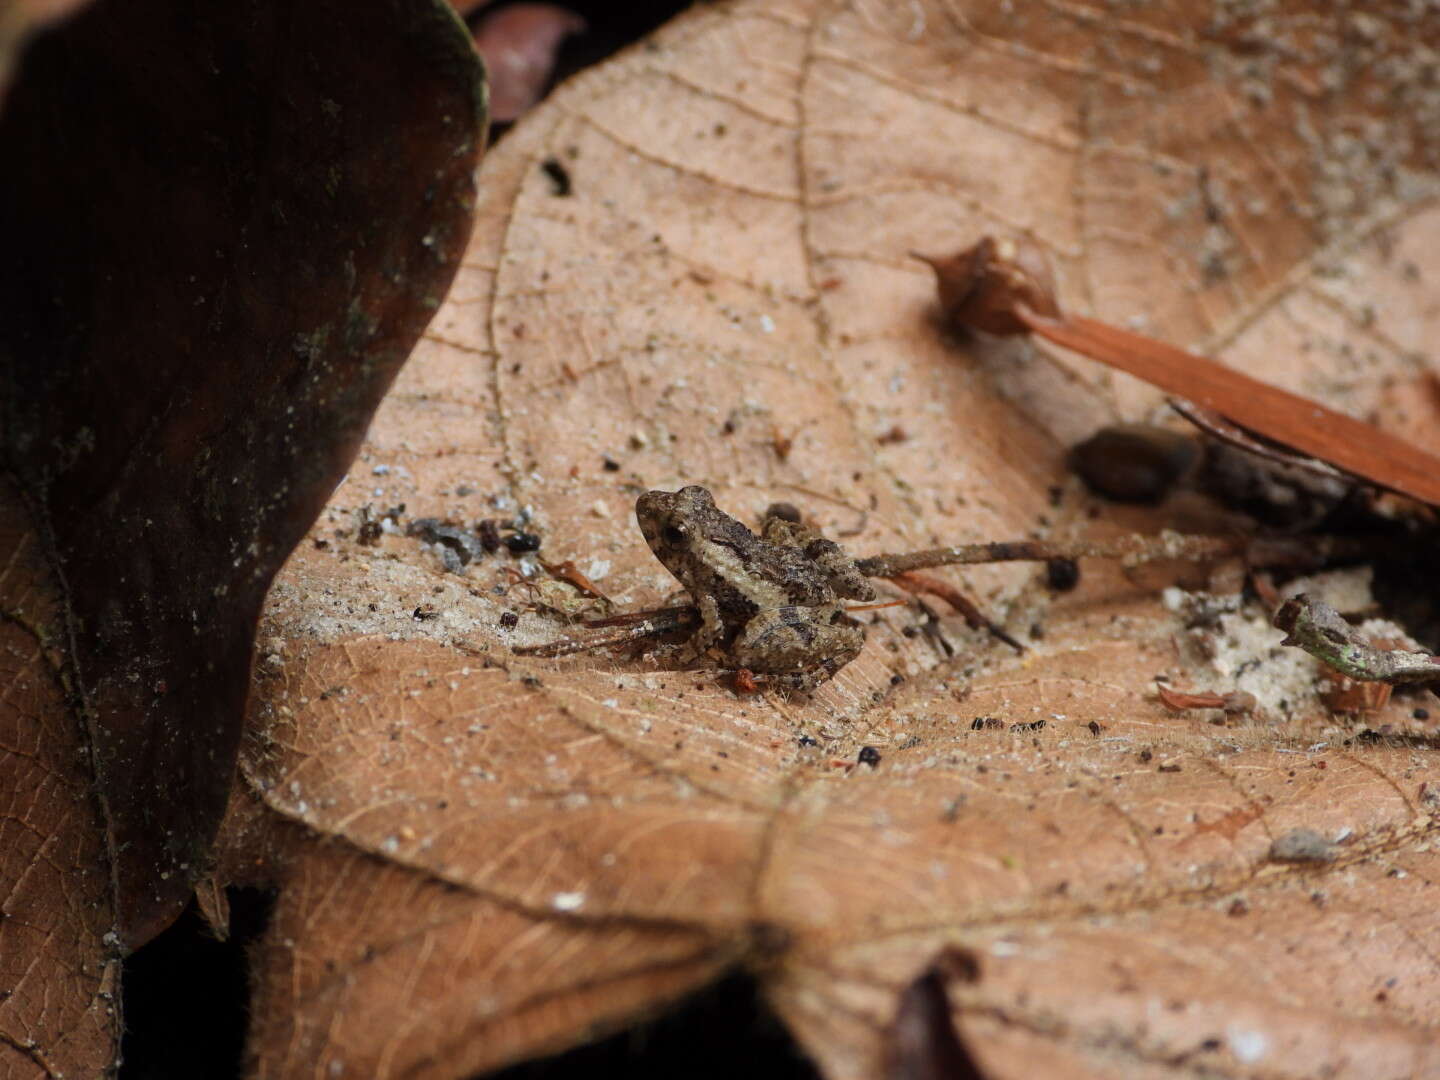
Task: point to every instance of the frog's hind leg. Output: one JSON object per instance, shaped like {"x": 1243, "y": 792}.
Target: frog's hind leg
{"x": 798, "y": 647}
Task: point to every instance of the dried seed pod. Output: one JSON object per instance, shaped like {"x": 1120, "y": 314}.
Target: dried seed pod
{"x": 1136, "y": 463}
{"x": 982, "y": 287}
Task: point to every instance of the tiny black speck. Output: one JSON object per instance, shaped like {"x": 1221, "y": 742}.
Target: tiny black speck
{"x": 521, "y": 542}
{"x": 610, "y": 464}
{"x": 869, "y": 756}
{"x": 806, "y": 740}
{"x": 508, "y": 619}
{"x": 560, "y": 185}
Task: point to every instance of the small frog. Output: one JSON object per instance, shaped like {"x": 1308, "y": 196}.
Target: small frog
{"x": 773, "y": 603}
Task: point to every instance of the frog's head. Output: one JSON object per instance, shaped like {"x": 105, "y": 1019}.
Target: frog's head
{"x": 669, "y": 519}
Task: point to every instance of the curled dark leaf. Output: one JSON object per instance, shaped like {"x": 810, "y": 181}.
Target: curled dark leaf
{"x": 222, "y": 247}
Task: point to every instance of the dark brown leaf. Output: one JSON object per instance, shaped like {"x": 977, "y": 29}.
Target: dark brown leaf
{"x": 228, "y": 231}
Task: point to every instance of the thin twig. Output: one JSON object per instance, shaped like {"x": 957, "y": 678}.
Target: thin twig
{"x": 1313, "y": 625}
{"x": 1133, "y": 549}
{"x": 914, "y": 582}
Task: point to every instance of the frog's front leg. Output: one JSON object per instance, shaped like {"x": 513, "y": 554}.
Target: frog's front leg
{"x": 799, "y": 647}
{"x": 709, "y": 632}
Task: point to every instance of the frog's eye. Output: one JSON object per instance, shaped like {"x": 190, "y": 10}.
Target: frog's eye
{"x": 674, "y": 535}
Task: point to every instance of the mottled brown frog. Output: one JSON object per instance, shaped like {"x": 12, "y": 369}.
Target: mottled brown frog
{"x": 773, "y": 603}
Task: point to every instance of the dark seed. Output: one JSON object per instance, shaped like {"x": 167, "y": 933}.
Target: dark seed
{"x": 521, "y": 542}
{"x": 1062, "y": 575}
{"x": 869, "y": 756}
{"x": 1137, "y": 463}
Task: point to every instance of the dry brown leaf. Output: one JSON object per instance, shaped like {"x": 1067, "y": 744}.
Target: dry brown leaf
{"x": 483, "y": 857}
